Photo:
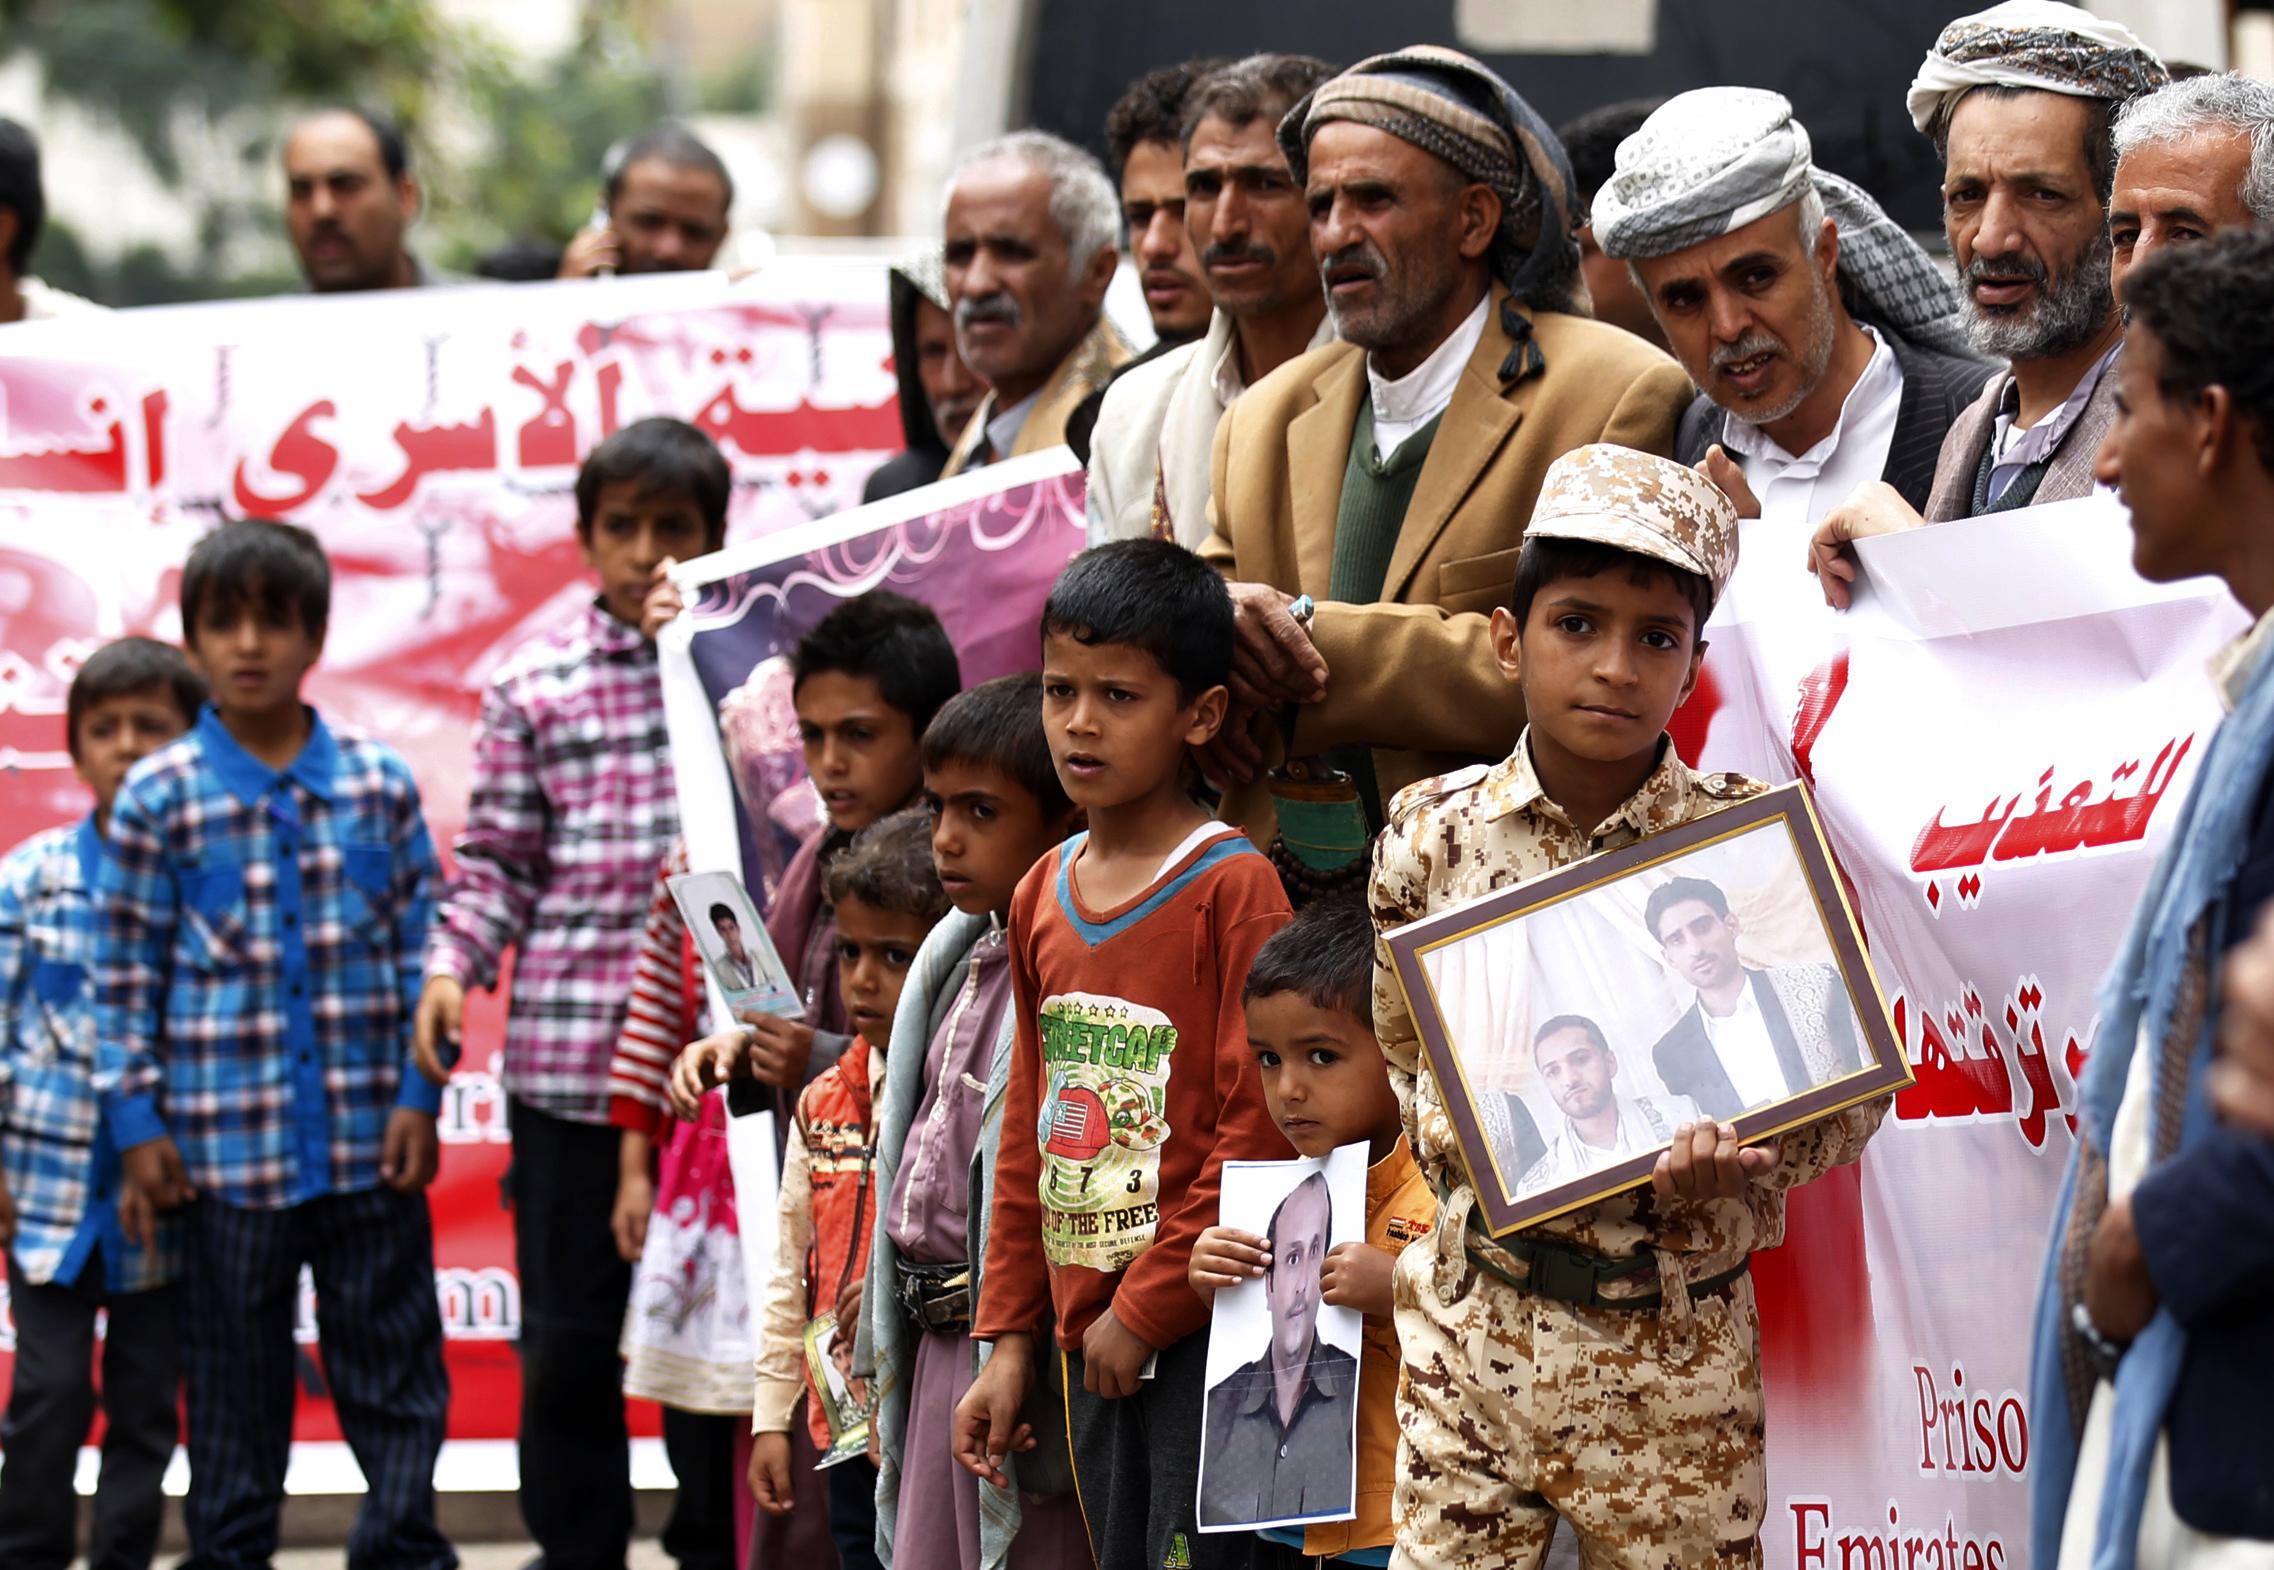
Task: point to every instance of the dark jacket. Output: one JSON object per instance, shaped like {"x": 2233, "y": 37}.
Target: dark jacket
{"x": 1690, "y": 1067}
{"x": 1937, "y": 387}
{"x": 926, "y": 455}
{"x": 1254, "y": 1470}
{"x": 2205, "y": 1221}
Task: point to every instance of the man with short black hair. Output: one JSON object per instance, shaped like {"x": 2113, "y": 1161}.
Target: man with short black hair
{"x": 1591, "y": 141}
{"x": 349, "y": 195}
{"x": 1278, "y": 1429}
{"x": 1151, "y": 458}
{"x": 1754, "y": 1035}
{"x": 1597, "y": 1127}
{"x": 665, "y": 198}
{"x": 1144, "y": 137}
{"x": 23, "y": 212}
{"x": 2151, "y": 1371}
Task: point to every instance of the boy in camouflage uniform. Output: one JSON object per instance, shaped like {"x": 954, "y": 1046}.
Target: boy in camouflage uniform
{"x": 1603, "y": 1365}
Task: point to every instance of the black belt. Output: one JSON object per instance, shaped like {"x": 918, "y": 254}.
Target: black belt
{"x": 937, "y": 1297}
{"x": 1572, "y": 1275}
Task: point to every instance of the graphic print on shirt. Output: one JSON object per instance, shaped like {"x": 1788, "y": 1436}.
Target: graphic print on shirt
{"x": 1102, "y": 1127}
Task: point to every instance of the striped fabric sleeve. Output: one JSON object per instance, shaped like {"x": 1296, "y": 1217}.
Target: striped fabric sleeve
{"x": 661, "y": 1017}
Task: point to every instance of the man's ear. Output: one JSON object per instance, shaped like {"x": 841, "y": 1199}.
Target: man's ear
{"x": 2218, "y": 426}
{"x": 11, "y": 223}
{"x": 1097, "y": 276}
{"x": 1479, "y": 219}
{"x": 410, "y": 198}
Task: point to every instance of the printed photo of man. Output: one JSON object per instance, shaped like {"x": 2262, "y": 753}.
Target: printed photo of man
{"x": 1597, "y": 1126}
{"x": 1278, "y": 1440}
{"x": 737, "y": 970}
{"x": 1751, "y": 1037}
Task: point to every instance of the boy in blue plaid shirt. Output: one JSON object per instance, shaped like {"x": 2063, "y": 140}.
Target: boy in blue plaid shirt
{"x": 59, "y": 1202}
{"x": 260, "y": 925}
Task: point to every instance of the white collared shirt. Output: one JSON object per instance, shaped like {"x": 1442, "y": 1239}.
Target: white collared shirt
{"x": 1003, "y": 430}
{"x": 1748, "y": 1054}
{"x": 1796, "y": 492}
{"x": 1414, "y": 399}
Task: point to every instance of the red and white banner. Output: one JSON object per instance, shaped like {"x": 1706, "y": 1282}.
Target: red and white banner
{"x": 1999, "y": 734}
{"x": 430, "y": 439}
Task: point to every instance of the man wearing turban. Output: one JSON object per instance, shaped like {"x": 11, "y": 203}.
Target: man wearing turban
{"x": 1829, "y": 346}
{"x": 1386, "y": 479}
{"x": 2020, "y": 101}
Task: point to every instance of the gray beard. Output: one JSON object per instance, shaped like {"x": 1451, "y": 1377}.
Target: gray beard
{"x": 2075, "y": 306}
{"x": 1813, "y": 362}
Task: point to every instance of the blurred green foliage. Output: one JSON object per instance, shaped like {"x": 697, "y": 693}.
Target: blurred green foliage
{"x": 504, "y": 148}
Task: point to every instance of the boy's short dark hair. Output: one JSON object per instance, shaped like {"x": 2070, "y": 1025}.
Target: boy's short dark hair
{"x": 896, "y": 641}
{"x": 281, "y": 561}
{"x": 1547, "y": 558}
{"x": 659, "y": 455}
{"x": 1680, "y": 891}
{"x": 998, "y": 725}
{"x": 889, "y": 865}
{"x": 127, "y": 668}
{"x": 1325, "y": 956}
{"x": 1153, "y": 595}
{"x": 722, "y": 911}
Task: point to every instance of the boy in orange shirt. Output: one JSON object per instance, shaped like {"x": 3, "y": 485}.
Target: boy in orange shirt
{"x": 1311, "y": 1023}
{"x": 886, "y": 896}
{"x": 1129, "y": 946}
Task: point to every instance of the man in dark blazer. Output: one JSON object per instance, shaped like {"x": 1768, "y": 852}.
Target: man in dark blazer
{"x": 1751, "y": 1036}
{"x": 1825, "y": 340}
{"x": 2152, "y": 1375}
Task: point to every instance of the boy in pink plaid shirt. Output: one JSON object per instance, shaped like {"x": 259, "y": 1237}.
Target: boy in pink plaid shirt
{"x": 571, "y": 812}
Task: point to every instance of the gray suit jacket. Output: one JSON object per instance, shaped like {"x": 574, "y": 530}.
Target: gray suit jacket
{"x": 1936, "y": 390}
{"x": 2066, "y": 478}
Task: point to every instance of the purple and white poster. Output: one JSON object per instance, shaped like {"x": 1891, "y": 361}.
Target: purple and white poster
{"x": 981, "y": 549}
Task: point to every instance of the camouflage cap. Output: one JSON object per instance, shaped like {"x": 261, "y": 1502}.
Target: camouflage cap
{"x": 1642, "y": 503}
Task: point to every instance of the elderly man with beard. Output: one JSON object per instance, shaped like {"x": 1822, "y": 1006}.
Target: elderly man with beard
{"x": 1750, "y": 257}
{"x": 1370, "y": 497}
{"x": 2020, "y": 101}
{"x": 1152, "y": 455}
{"x": 1031, "y": 222}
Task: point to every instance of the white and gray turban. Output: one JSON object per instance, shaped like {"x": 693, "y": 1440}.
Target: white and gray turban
{"x": 2041, "y": 45}
{"x": 1714, "y": 160}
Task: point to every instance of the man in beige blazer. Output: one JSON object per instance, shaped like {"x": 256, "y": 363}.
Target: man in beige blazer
{"x": 1441, "y": 222}
{"x": 1032, "y": 226}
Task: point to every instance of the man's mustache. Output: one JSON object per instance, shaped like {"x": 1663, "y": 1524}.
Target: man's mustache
{"x": 1359, "y": 256}
{"x": 1231, "y": 251}
{"x": 996, "y": 308}
{"x": 1756, "y": 342}
{"x": 2005, "y": 269}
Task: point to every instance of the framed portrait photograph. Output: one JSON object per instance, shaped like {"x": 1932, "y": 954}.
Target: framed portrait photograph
{"x": 1279, "y": 1422}
{"x": 737, "y": 953}
{"x": 844, "y": 1399}
{"x": 1574, "y": 1022}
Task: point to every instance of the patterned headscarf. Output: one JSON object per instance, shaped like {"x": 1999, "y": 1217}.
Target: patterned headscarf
{"x": 1714, "y": 160}
{"x": 925, "y": 271}
{"x": 1453, "y": 108}
{"x": 2037, "y": 44}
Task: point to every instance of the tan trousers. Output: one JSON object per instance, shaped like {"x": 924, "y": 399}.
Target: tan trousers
{"x": 1641, "y": 1429}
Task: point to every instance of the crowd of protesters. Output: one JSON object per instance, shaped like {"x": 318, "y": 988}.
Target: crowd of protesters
{"x": 1454, "y": 429}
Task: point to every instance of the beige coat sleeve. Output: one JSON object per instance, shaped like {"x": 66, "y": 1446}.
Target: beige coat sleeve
{"x": 781, "y": 1327}
{"x": 1396, "y": 893}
